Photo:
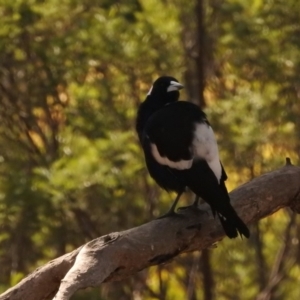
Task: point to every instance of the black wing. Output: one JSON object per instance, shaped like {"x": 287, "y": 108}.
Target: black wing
{"x": 172, "y": 129}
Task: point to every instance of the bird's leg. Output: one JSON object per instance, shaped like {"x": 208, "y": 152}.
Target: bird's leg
{"x": 171, "y": 212}
{"x": 194, "y": 205}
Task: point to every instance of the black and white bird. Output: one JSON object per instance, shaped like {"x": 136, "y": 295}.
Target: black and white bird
{"x": 181, "y": 151}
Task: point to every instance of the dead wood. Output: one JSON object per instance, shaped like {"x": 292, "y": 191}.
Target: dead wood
{"x": 121, "y": 254}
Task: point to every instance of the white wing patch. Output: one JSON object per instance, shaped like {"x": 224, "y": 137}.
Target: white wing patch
{"x": 180, "y": 165}
{"x": 205, "y": 147}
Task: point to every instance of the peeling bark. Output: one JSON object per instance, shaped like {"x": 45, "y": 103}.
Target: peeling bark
{"x": 121, "y": 254}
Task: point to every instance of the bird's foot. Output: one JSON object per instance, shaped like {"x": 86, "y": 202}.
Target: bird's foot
{"x": 169, "y": 214}
{"x": 193, "y": 207}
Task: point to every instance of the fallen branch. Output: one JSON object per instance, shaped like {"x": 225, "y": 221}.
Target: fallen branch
{"x": 121, "y": 254}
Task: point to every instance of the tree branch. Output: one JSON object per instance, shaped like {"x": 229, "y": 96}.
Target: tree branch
{"x": 118, "y": 255}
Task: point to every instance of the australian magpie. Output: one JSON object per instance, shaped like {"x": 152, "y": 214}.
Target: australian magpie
{"x": 181, "y": 151}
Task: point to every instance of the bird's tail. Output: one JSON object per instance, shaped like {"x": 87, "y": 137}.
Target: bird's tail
{"x": 232, "y": 224}
{"x": 202, "y": 181}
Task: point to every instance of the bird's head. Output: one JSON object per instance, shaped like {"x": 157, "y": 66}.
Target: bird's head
{"x": 165, "y": 88}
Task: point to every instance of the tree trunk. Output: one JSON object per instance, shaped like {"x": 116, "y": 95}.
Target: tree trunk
{"x": 207, "y": 272}
{"x": 201, "y": 49}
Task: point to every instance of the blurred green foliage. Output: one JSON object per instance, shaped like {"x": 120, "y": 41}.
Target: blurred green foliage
{"x": 72, "y": 74}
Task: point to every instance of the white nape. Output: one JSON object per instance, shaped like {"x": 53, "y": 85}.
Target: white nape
{"x": 180, "y": 165}
{"x": 205, "y": 147}
{"x": 150, "y": 91}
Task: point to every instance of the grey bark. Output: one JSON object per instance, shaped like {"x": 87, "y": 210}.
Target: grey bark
{"x": 122, "y": 254}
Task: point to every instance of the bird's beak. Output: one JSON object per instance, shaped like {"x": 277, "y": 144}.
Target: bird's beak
{"x": 174, "y": 86}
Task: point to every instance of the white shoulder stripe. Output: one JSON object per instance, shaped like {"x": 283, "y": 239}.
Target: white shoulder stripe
{"x": 205, "y": 147}
{"x": 180, "y": 165}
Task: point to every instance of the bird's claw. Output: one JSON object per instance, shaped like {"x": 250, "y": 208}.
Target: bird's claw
{"x": 194, "y": 208}
{"x": 169, "y": 214}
